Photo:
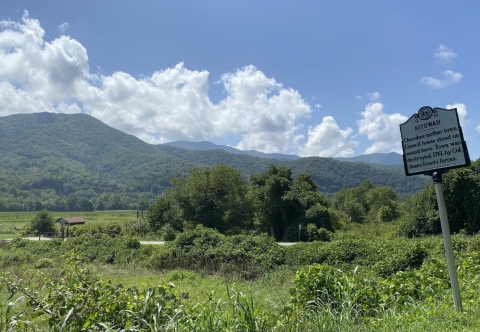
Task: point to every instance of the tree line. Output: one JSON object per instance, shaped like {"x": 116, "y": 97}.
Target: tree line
{"x": 272, "y": 202}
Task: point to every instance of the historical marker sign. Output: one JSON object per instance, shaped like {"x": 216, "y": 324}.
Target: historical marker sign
{"x": 433, "y": 143}
{"x": 432, "y": 140}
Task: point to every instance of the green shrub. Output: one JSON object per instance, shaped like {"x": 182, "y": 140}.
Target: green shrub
{"x": 176, "y": 275}
{"x": 79, "y": 300}
{"x": 113, "y": 229}
{"x": 337, "y": 219}
{"x": 319, "y": 216}
{"x": 133, "y": 243}
{"x": 18, "y": 242}
{"x": 318, "y": 234}
{"x": 386, "y": 214}
{"x": 403, "y": 258}
{"x": 137, "y": 227}
{"x": 325, "y": 286}
{"x": 206, "y": 249}
{"x": 168, "y": 232}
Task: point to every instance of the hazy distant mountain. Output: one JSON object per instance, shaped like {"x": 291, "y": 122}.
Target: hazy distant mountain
{"x": 391, "y": 158}
{"x": 205, "y": 145}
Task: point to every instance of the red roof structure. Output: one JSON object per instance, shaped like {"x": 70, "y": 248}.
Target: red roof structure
{"x": 70, "y": 221}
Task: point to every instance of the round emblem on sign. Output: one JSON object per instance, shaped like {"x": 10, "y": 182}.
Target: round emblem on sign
{"x": 425, "y": 113}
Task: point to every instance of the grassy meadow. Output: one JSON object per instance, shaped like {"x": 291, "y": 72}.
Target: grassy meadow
{"x": 365, "y": 279}
{"x": 14, "y": 224}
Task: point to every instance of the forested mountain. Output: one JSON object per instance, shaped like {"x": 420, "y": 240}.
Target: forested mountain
{"x": 76, "y": 162}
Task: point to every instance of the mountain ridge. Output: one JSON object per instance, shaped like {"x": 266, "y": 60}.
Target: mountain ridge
{"x": 78, "y": 158}
{"x": 391, "y": 158}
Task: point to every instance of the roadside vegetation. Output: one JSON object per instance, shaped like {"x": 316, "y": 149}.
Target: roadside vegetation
{"x": 365, "y": 260}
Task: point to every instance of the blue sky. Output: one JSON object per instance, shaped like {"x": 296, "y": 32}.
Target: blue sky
{"x": 306, "y": 77}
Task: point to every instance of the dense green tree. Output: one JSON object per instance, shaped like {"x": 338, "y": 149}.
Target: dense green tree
{"x": 363, "y": 203}
{"x": 165, "y": 212}
{"x": 42, "y": 222}
{"x": 83, "y": 204}
{"x": 70, "y": 202}
{"x": 215, "y": 197}
{"x": 462, "y": 198}
{"x": 306, "y": 206}
{"x": 267, "y": 192}
{"x": 385, "y": 199}
{"x": 421, "y": 216}
{"x": 354, "y": 211}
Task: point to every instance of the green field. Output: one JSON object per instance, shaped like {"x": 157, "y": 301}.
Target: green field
{"x": 15, "y": 223}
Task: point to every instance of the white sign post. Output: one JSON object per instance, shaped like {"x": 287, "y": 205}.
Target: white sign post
{"x": 432, "y": 142}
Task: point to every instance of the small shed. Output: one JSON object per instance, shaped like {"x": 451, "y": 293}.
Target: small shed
{"x": 71, "y": 221}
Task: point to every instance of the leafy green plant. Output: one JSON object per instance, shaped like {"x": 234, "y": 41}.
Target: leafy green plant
{"x": 81, "y": 301}
{"x": 318, "y": 234}
{"x": 324, "y": 286}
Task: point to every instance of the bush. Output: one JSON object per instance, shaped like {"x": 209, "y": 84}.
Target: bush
{"x": 318, "y": 234}
{"x": 113, "y": 229}
{"x": 133, "y": 243}
{"x": 138, "y": 227}
{"x": 403, "y": 258}
{"x": 168, "y": 232}
{"x": 79, "y": 300}
{"x": 206, "y": 249}
{"x": 319, "y": 216}
{"x": 325, "y": 286}
{"x": 385, "y": 214}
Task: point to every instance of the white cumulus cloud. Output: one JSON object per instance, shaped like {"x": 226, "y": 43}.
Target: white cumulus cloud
{"x": 478, "y": 128}
{"x": 450, "y": 78}
{"x": 328, "y": 140}
{"x": 381, "y": 128}
{"x": 170, "y": 104}
{"x": 444, "y": 53}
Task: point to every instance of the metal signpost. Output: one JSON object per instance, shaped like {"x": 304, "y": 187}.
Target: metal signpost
{"x": 432, "y": 142}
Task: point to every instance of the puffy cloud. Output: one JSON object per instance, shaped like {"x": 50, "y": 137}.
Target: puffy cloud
{"x": 444, "y": 53}
{"x": 478, "y": 128}
{"x": 15, "y": 100}
{"x": 171, "y": 104}
{"x": 462, "y": 113}
{"x": 328, "y": 140}
{"x": 374, "y": 96}
{"x": 383, "y": 129}
{"x": 48, "y": 71}
{"x": 449, "y": 79}
{"x": 262, "y": 110}
{"x": 359, "y": 97}
{"x": 62, "y": 28}
{"x": 318, "y": 106}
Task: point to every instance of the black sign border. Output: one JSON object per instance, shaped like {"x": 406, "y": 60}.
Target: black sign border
{"x": 444, "y": 169}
